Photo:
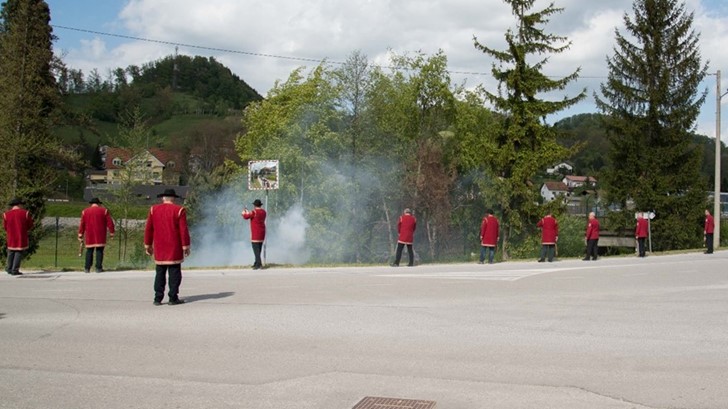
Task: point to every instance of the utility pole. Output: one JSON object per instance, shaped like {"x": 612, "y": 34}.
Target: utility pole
{"x": 716, "y": 185}
{"x": 719, "y": 94}
{"x": 175, "y": 70}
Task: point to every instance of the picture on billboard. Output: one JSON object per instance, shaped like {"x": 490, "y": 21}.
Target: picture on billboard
{"x": 263, "y": 175}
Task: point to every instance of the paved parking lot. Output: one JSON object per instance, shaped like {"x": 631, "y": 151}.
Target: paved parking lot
{"x": 615, "y": 333}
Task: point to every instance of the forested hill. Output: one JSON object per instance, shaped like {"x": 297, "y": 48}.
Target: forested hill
{"x": 587, "y": 131}
{"x": 201, "y": 77}
{"x": 181, "y": 99}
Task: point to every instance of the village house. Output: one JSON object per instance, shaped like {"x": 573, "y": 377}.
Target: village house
{"x": 552, "y": 190}
{"x": 152, "y": 166}
{"x": 561, "y": 168}
{"x": 573, "y": 182}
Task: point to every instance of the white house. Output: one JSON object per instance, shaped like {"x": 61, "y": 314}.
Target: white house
{"x": 551, "y": 190}
{"x": 572, "y": 182}
{"x": 563, "y": 167}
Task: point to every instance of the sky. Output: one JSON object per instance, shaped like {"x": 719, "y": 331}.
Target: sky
{"x": 263, "y": 41}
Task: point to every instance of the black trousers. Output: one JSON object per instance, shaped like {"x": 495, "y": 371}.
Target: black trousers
{"x": 709, "y": 243}
{"x": 14, "y": 258}
{"x": 410, "y": 253}
{"x": 549, "y": 249}
{"x": 641, "y": 245}
{"x": 592, "y": 248}
{"x": 90, "y": 258}
{"x": 257, "y": 248}
{"x": 160, "y": 281}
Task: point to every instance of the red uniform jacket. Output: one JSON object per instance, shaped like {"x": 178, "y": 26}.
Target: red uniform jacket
{"x": 17, "y": 222}
{"x": 95, "y": 220}
{"x": 166, "y": 231}
{"x": 406, "y": 228}
{"x": 592, "y": 229}
{"x": 709, "y": 224}
{"x": 640, "y": 231}
{"x": 549, "y": 229}
{"x": 257, "y": 224}
{"x": 489, "y": 231}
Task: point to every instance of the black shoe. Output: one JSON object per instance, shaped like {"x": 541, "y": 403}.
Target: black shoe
{"x": 410, "y": 265}
{"x": 256, "y": 267}
{"x": 16, "y": 273}
{"x": 541, "y": 260}
{"x": 86, "y": 271}
{"x": 157, "y": 302}
{"x": 99, "y": 271}
{"x": 585, "y": 259}
{"x": 594, "y": 259}
{"x": 176, "y": 302}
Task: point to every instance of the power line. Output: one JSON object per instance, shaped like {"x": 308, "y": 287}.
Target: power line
{"x": 200, "y": 47}
{"x": 253, "y": 54}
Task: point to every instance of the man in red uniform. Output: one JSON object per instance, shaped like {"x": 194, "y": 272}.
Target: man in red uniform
{"x": 489, "y": 232}
{"x": 708, "y": 232}
{"x": 167, "y": 237}
{"x": 592, "y": 237}
{"x": 406, "y": 227}
{"x": 640, "y": 233}
{"x": 257, "y": 230}
{"x": 95, "y": 221}
{"x": 549, "y": 236}
{"x": 17, "y": 223}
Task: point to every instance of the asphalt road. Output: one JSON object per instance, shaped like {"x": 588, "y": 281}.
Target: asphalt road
{"x": 614, "y": 333}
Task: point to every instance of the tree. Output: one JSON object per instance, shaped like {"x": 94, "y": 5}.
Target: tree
{"x": 525, "y": 144}
{"x": 28, "y": 96}
{"x": 651, "y": 102}
{"x": 354, "y": 81}
{"x": 134, "y": 137}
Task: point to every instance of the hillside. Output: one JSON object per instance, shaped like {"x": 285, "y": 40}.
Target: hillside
{"x": 182, "y": 99}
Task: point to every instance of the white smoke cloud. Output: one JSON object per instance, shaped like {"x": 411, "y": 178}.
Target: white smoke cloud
{"x": 221, "y": 237}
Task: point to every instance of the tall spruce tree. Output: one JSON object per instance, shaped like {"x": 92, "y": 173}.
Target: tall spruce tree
{"x": 525, "y": 144}
{"x": 651, "y": 101}
{"x": 28, "y": 95}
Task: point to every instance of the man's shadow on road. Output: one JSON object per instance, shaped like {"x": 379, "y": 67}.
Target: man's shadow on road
{"x": 201, "y": 297}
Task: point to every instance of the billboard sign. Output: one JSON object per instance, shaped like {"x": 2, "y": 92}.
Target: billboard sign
{"x": 263, "y": 175}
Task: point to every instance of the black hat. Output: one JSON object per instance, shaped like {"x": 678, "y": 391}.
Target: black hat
{"x": 168, "y": 193}
{"x": 257, "y": 202}
{"x": 16, "y": 201}
{"x": 95, "y": 200}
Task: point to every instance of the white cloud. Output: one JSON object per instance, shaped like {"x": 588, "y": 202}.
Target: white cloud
{"x": 319, "y": 29}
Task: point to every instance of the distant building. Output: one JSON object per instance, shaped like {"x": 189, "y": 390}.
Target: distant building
{"x": 572, "y": 181}
{"x": 552, "y": 190}
{"x": 561, "y": 168}
{"x": 149, "y": 167}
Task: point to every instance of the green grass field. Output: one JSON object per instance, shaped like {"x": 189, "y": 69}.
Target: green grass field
{"x": 60, "y": 252}
{"x": 73, "y": 209}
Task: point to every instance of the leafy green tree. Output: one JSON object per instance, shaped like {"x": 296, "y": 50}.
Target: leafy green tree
{"x": 134, "y": 136}
{"x": 651, "y": 101}
{"x": 524, "y": 144}
{"x": 28, "y": 96}
{"x": 423, "y": 106}
{"x": 354, "y": 80}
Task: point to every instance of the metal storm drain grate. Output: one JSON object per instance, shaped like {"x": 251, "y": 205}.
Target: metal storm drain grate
{"x": 371, "y": 402}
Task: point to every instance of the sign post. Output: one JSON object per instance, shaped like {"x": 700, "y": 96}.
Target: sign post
{"x": 263, "y": 175}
